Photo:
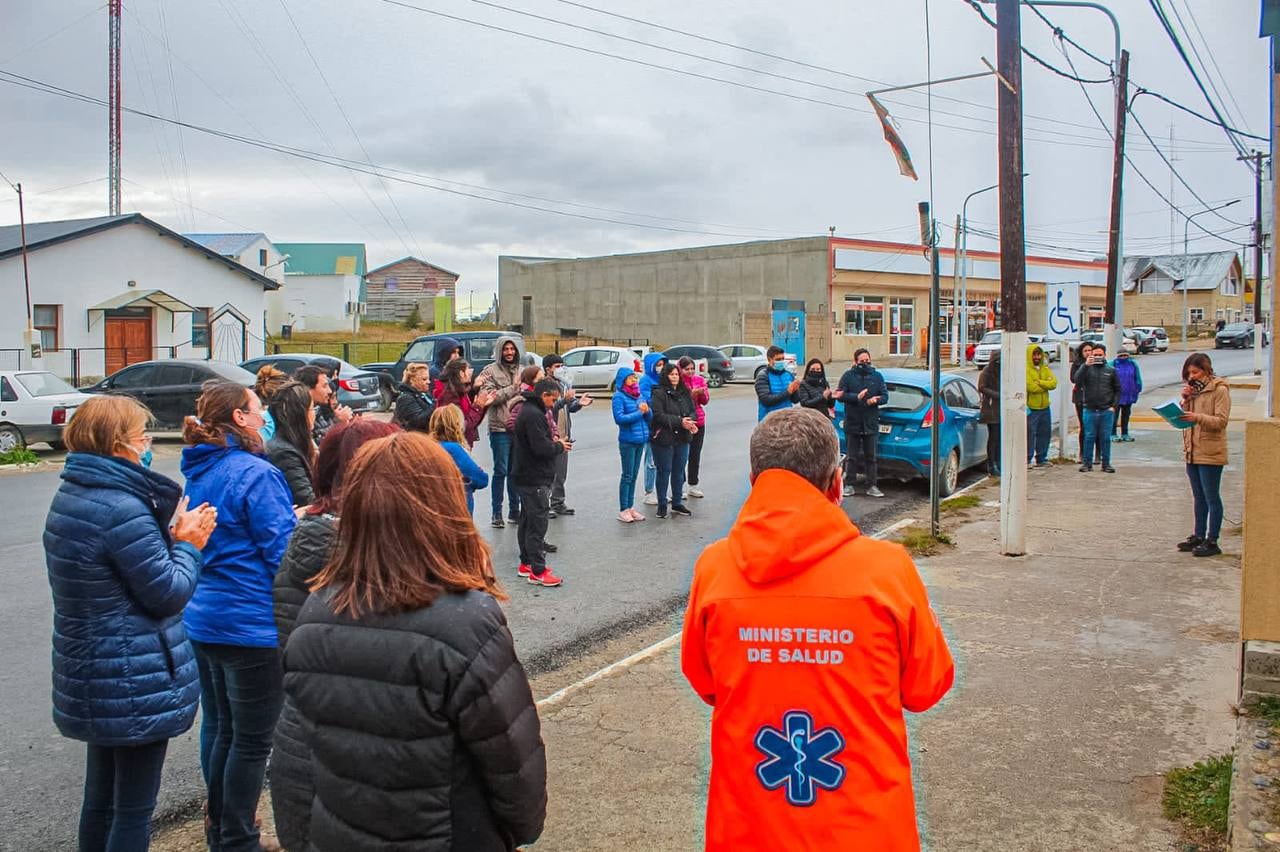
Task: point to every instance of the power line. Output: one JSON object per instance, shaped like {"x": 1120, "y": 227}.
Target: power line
{"x": 1189, "y": 111}
{"x": 1061, "y": 34}
{"x": 977, "y": 7}
{"x": 95, "y": 10}
{"x": 1239, "y": 117}
{"x": 173, "y": 95}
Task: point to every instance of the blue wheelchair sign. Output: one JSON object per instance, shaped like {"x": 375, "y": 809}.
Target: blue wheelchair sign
{"x": 1062, "y": 303}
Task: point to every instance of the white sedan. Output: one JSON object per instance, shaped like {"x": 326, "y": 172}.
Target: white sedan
{"x": 35, "y": 406}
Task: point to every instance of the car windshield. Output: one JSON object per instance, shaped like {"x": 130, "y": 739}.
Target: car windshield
{"x": 231, "y": 372}
{"x": 481, "y": 348}
{"x": 43, "y": 384}
{"x": 990, "y": 337}
{"x": 904, "y": 398}
{"x": 1237, "y": 327}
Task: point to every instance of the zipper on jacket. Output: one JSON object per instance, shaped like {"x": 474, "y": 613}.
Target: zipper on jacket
{"x": 168, "y": 654}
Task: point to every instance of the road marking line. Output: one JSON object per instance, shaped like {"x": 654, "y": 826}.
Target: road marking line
{"x": 662, "y": 645}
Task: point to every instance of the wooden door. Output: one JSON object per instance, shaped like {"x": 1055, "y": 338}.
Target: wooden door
{"x": 128, "y": 341}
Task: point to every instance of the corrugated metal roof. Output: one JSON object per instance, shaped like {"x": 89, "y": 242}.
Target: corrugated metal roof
{"x": 228, "y": 245}
{"x": 1202, "y": 271}
{"x": 323, "y": 258}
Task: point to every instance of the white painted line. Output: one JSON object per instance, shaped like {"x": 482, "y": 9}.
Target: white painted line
{"x": 662, "y": 645}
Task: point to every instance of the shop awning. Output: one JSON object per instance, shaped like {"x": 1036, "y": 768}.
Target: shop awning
{"x": 144, "y": 298}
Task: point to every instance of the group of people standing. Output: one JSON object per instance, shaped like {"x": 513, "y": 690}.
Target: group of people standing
{"x": 661, "y": 418}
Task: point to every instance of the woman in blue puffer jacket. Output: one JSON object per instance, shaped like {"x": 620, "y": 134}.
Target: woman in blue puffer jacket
{"x": 631, "y": 413}
{"x": 124, "y": 676}
{"x": 1130, "y": 377}
{"x": 230, "y": 618}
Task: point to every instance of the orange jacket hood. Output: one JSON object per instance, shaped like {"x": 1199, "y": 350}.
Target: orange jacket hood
{"x": 785, "y": 526}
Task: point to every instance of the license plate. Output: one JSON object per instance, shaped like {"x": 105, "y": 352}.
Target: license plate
{"x": 885, "y": 429}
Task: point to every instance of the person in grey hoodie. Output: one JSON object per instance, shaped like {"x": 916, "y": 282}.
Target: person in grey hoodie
{"x": 502, "y": 378}
{"x": 571, "y": 402}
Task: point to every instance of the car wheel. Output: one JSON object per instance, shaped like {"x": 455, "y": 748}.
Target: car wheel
{"x": 715, "y": 379}
{"x": 387, "y": 397}
{"x": 950, "y": 474}
{"x": 11, "y": 439}
{"x": 613, "y": 386}
{"x": 60, "y": 446}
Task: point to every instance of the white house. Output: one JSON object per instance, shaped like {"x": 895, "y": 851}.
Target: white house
{"x": 324, "y": 287}
{"x": 258, "y": 253}
{"x": 114, "y": 290}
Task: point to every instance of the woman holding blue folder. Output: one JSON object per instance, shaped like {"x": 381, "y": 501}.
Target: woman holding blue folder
{"x": 1206, "y": 405}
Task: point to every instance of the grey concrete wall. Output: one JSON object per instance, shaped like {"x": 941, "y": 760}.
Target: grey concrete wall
{"x": 696, "y": 295}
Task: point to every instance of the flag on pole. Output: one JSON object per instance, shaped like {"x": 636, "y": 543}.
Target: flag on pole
{"x": 895, "y": 141}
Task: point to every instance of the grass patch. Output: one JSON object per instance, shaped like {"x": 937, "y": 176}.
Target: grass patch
{"x": 23, "y": 456}
{"x": 921, "y": 542}
{"x": 1064, "y": 460}
{"x": 1197, "y": 798}
{"x": 964, "y": 501}
{"x": 1268, "y": 708}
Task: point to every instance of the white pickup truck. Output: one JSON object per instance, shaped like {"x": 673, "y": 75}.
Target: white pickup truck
{"x": 35, "y": 406}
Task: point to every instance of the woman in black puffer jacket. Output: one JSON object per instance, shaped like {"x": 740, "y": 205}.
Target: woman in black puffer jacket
{"x": 404, "y": 675}
{"x": 291, "y": 449}
{"x": 309, "y": 550}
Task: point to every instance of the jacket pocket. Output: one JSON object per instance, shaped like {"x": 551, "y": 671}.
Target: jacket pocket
{"x": 168, "y": 654}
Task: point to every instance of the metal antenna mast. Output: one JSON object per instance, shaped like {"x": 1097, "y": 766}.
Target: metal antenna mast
{"x": 113, "y": 109}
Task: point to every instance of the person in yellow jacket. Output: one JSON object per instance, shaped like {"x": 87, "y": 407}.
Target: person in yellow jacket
{"x": 1040, "y": 380}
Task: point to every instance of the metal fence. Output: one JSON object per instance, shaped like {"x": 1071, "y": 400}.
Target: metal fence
{"x": 355, "y": 352}
{"x": 86, "y": 365}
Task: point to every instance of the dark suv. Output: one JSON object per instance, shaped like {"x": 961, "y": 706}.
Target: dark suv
{"x": 719, "y": 367}
{"x": 478, "y": 347}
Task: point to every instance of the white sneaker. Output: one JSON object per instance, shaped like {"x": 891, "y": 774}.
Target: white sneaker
{"x": 874, "y": 492}
{"x": 694, "y": 492}
{"x": 636, "y": 516}
{"x": 650, "y": 498}
{"x": 625, "y": 516}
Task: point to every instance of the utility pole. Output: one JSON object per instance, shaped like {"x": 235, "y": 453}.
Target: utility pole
{"x": 1013, "y": 283}
{"x": 1256, "y": 157}
{"x": 113, "y": 107}
{"x": 929, "y": 238}
{"x": 30, "y": 342}
{"x": 1113, "y": 319}
{"x": 959, "y": 312}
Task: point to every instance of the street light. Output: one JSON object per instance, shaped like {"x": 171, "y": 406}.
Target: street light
{"x": 963, "y": 260}
{"x": 1185, "y": 226}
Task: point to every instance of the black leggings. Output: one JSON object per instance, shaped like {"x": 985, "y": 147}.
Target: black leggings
{"x": 1122, "y": 419}
{"x": 1080, "y": 420}
{"x": 993, "y": 446}
{"x": 695, "y": 454}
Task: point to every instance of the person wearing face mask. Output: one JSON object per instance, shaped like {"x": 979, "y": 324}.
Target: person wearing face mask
{"x": 776, "y": 390}
{"x": 123, "y": 557}
{"x": 1099, "y": 392}
{"x": 1077, "y": 389}
{"x": 697, "y": 386}
{"x": 654, "y": 364}
{"x": 571, "y": 402}
{"x": 815, "y": 391}
{"x": 502, "y": 379}
{"x": 673, "y": 424}
{"x": 1040, "y": 381}
{"x": 631, "y": 414}
{"x": 1206, "y": 405}
{"x": 1130, "y": 377}
{"x": 863, "y": 390}
{"x": 230, "y": 618}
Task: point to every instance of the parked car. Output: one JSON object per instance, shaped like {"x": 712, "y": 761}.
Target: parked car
{"x": 1143, "y": 342}
{"x": 478, "y": 347}
{"x": 1096, "y": 336}
{"x": 902, "y": 450}
{"x": 35, "y": 406}
{"x": 719, "y": 366}
{"x": 749, "y": 360}
{"x": 357, "y": 388}
{"x": 597, "y": 366}
{"x": 1236, "y": 335}
{"x": 641, "y": 351}
{"x": 991, "y": 342}
{"x": 170, "y": 387}
{"x": 1160, "y": 335}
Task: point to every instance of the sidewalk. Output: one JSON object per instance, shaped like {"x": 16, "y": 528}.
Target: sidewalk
{"x": 1086, "y": 669}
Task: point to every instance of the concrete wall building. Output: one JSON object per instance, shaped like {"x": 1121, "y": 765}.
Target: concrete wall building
{"x": 114, "y": 290}
{"x": 1211, "y": 282}
{"x": 395, "y": 289}
{"x": 818, "y": 296}
{"x": 324, "y": 287}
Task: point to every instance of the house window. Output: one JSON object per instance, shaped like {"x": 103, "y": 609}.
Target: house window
{"x": 1231, "y": 287}
{"x": 863, "y": 315}
{"x": 200, "y": 327}
{"x": 1156, "y": 283}
{"x": 1195, "y": 315}
{"x": 262, "y": 257}
{"x": 46, "y": 319}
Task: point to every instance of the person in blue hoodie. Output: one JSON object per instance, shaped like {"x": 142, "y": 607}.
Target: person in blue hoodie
{"x": 230, "y": 619}
{"x": 1130, "y": 377}
{"x": 446, "y": 350}
{"x": 631, "y": 413}
{"x": 124, "y": 674}
{"x": 448, "y": 428}
{"x": 776, "y": 388}
{"x": 653, "y": 364}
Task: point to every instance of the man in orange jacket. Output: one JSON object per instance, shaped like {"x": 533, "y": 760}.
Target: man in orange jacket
{"x": 809, "y": 640}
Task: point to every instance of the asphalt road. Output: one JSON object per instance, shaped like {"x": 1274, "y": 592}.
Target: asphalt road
{"x": 617, "y": 577}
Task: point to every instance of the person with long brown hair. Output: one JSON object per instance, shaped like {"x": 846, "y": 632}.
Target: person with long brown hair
{"x": 309, "y": 551}
{"x": 405, "y": 675}
{"x": 291, "y": 448}
{"x": 230, "y": 618}
{"x": 124, "y": 674}
{"x": 1206, "y": 405}
{"x": 457, "y": 388}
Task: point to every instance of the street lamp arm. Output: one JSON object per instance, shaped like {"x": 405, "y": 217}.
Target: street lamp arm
{"x": 1085, "y": 4}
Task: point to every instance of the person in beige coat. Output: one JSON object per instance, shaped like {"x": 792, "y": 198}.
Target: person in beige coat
{"x": 1206, "y": 404}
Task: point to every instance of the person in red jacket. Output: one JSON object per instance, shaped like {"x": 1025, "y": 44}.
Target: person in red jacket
{"x": 809, "y": 640}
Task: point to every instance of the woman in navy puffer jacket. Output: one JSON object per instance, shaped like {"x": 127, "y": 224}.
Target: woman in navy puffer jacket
{"x": 631, "y": 413}
{"x": 124, "y": 676}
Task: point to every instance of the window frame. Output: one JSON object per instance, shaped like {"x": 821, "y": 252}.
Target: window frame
{"x": 1195, "y": 314}
{"x": 610, "y": 358}
{"x": 56, "y": 328}
{"x": 262, "y": 258}
{"x": 579, "y": 354}
{"x": 7, "y": 393}
{"x": 206, "y": 327}
{"x": 861, "y": 305}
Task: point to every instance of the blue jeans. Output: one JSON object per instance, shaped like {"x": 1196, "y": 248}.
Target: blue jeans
{"x": 242, "y": 690}
{"x": 671, "y": 462}
{"x": 650, "y": 469}
{"x": 500, "y": 443}
{"x": 1097, "y": 432}
{"x": 120, "y": 787}
{"x": 1206, "y": 491}
{"x": 631, "y": 456}
{"x": 1039, "y": 430}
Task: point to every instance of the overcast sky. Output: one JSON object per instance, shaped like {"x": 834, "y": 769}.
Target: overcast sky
{"x": 529, "y": 123}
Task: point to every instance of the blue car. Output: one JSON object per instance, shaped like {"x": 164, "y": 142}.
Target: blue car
{"x": 903, "y": 448}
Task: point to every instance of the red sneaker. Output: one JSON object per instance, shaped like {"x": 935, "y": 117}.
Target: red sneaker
{"x": 546, "y": 578}
{"x": 524, "y": 570}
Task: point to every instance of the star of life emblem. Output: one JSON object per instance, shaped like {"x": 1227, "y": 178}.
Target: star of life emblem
{"x": 799, "y": 758}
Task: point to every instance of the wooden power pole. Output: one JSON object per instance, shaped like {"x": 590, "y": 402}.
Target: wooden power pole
{"x": 1113, "y": 319}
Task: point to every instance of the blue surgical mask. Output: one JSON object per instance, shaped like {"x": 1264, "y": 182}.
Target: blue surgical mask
{"x": 778, "y": 366}
{"x": 145, "y": 458}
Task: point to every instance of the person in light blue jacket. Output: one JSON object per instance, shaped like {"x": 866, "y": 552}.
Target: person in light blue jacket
{"x": 631, "y": 413}
{"x": 230, "y": 619}
{"x": 653, "y": 364}
{"x": 448, "y": 427}
{"x": 124, "y": 674}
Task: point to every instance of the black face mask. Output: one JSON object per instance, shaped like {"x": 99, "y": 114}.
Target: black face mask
{"x": 866, "y": 368}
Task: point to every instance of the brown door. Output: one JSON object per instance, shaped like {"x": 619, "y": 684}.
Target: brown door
{"x": 128, "y": 341}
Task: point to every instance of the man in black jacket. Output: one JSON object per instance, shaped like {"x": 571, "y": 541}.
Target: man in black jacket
{"x": 534, "y": 452}
{"x": 1099, "y": 393}
{"x": 863, "y": 391}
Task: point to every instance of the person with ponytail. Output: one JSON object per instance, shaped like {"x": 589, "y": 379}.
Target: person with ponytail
{"x": 229, "y": 619}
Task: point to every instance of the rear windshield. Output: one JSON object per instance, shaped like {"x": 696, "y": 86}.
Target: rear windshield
{"x": 905, "y": 398}
{"x": 1237, "y": 327}
{"x": 481, "y": 348}
{"x": 990, "y": 337}
{"x": 43, "y": 384}
{"x": 231, "y": 372}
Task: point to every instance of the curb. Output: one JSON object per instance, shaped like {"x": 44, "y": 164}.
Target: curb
{"x": 1255, "y": 774}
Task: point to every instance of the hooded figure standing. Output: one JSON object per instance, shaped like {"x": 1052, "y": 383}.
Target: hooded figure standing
{"x": 653, "y": 364}
{"x": 1130, "y": 377}
{"x": 502, "y": 379}
{"x": 1040, "y": 380}
{"x": 446, "y": 350}
{"x": 989, "y": 413}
